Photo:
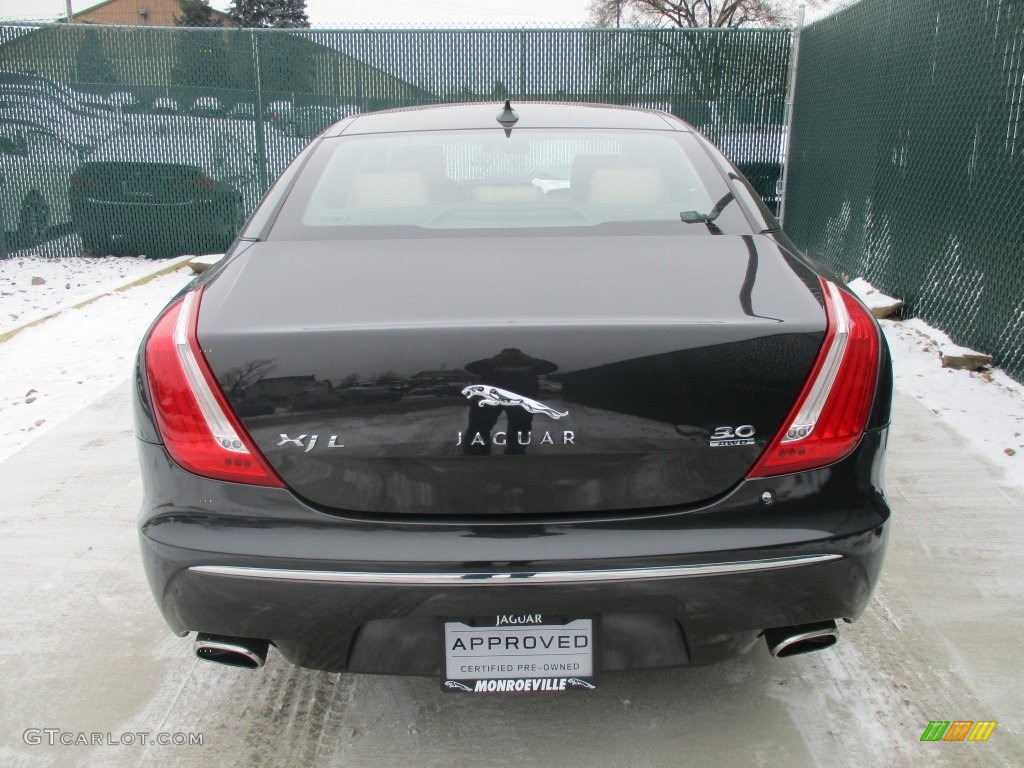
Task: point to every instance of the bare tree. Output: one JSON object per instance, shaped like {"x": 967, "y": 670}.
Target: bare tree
{"x": 608, "y": 13}
{"x": 699, "y": 13}
{"x": 237, "y": 380}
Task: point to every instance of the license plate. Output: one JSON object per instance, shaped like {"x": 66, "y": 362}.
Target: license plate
{"x": 506, "y": 654}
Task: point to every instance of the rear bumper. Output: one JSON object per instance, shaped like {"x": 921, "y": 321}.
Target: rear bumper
{"x": 668, "y": 588}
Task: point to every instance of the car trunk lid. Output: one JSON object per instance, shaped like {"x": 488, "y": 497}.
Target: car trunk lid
{"x": 512, "y": 376}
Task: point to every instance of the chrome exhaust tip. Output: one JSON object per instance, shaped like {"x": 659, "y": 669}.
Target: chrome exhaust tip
{"x": 244, "y": 652}
{"x": 803, "y": 638}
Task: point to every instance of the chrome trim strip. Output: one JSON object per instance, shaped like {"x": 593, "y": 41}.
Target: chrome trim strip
{"x": 521, "y": 577}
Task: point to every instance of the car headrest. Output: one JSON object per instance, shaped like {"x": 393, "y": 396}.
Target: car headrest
{"x": 582, "y": 173}
{"x": 633, "y": 186}
{"x": 427, "y": 159}
{"x": 393, "y": 189}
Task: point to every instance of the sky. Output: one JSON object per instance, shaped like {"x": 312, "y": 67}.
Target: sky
{"x": 440, "y": 13}
{"x": 330, "y": 12}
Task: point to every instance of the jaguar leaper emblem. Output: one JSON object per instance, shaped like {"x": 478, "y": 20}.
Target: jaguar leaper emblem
{"x": 580, "y": 683}
{"x": 504, "y": 399}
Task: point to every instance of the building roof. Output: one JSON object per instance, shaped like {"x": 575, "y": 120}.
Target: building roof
{"x": 141, "y": 13}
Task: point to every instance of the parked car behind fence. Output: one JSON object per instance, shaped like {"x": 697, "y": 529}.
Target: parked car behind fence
{"x": 35, "y": 166}
{"x": 208, "y": 106}
{"x": 165, "y": 189}
{"x": 164, "y": 105}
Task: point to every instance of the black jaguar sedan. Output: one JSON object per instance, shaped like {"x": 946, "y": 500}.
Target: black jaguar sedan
{"x": 513, "y": 397}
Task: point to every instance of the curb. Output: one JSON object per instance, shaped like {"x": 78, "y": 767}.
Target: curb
{"x": 165, "y": 267}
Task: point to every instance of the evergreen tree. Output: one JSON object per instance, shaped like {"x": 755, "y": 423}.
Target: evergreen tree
{"x": 196, "y": 13}
{"x": 288, "y": 14}
{"x": 250, "y": 13}
{"x": 285, "y": 14}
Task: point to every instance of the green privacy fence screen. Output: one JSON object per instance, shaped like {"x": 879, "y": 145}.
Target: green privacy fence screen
{"x": 146, "y": 125}
{"x": 907, "y": 164}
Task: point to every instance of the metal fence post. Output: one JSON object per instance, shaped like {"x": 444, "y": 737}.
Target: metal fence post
{"x": 522, "y": 65}
{"x": 788, "y": 126}
{"x": 261, "y": 133}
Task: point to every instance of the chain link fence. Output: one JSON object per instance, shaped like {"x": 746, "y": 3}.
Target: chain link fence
{"x": 906, "y": 164}
{"x": 906, "y": 159}
{"x": 161, "y": 140}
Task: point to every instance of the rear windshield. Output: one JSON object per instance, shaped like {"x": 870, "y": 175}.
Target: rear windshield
{"x": 449, "y": 181}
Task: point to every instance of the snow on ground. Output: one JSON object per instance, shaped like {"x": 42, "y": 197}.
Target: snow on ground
{"x": 985, "y": 407}
{"x": 34, "y": 285}
{"x": 51, "y": 370}
{"x": 879, "y": 304}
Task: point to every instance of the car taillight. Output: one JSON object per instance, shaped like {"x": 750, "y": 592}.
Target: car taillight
{"x": 832, "y": 411}
{"x": 195, "y": 421}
